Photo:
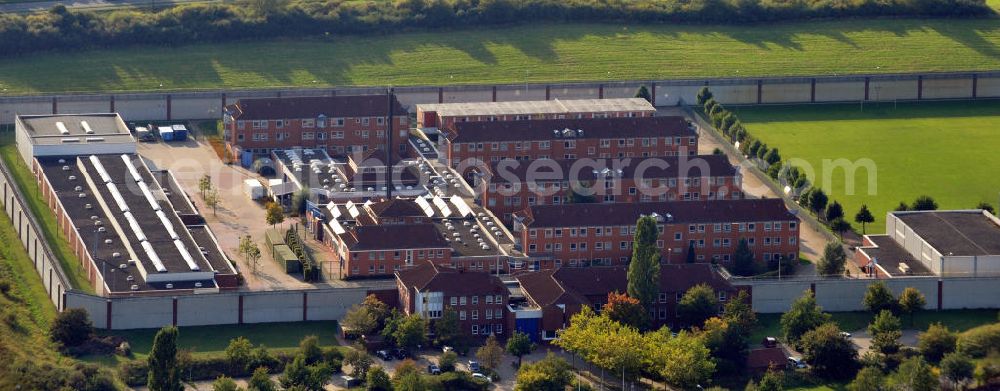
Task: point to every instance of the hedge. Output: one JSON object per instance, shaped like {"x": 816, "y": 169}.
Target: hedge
{"x": 979, "y": 341}
{"x": 60, "y": 28}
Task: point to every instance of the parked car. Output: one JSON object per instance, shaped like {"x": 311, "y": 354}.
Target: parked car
{"x": 401, "y": 353}
{"x": 447, "y": 349}
{"x": 480, "y": 376}
{"x": 794, "y": 362}
{"x": 473, "y": 366}
{"x": 350, "y": 382}
{"x": 384, "y": 355}
{"x": 769, "y": 342}
{"x": 845, "y": 334}
{"x": 433, "y": 369}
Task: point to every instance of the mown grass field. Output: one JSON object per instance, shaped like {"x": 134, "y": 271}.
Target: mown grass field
{"x": 537, "y": 53}
{"x": 947, "y": 150}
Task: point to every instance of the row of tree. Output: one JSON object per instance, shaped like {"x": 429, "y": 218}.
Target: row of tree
{"x": 63, "y": 29}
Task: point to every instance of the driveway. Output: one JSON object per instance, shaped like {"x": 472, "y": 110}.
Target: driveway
{"x": 236, "y": 215}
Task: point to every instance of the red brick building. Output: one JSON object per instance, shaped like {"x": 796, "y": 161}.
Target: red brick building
{"x": 587, "y": 234}
{"x": 491, "y": 142}
{"x": 552, "y": 297}
{"x": 446, "y": 115}
{"x": 480, "y": 299}
{"x": 511, "y": 185}
{"x": 341, "y": 125}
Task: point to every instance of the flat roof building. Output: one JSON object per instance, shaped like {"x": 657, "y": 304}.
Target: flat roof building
{"x": 942, "y": 243}
{"x": 72, "y": 134}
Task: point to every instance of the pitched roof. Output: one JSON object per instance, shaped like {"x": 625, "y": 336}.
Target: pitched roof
{"x": 393, "y": 237}
{"x": 591, "y": 128}
{"x": 583, "y": 169}
{"x": 313, "y": 107}
{"x": 435, "y": 278}
{"x": 538, "y": 107}
{"x": 396, "y": 207}
{"x": 573, "y": 285}
{"x": 678, "y": 212}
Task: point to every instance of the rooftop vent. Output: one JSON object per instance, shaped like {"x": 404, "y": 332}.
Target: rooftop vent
{"x": 123, "y": 266}
{"x": 86, "y": 127}
{"x": 62, "y": 128}
{"x": 62, "y": 161}
{"x": 102, "y": 229}
{"x": 170, "y": 286}
{"x": 107, "y": 241}
{"x": 197, "y": 285}
{"x": 134, "y": 287}
{"x": 117, "y": 255}
{"x": 72, "y": 177}
{"x": 129, "y": 278}
{"x": 65, "y": 168}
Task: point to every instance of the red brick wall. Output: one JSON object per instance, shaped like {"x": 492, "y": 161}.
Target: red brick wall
{"x": 502, "y": 203}
{"x": 357, "y": 263}
{"x": 449, "y": 121}
{"x": 617, "y": 254}
{"x": 570, "y": 148}
{"x": 353, "y": 134}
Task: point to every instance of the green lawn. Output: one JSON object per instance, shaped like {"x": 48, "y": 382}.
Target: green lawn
{"x": 536, "y": 53}
{"x": 26, "y": 181}
{"x": 956, "y": 320}
{"x": 945, "y": 150}
{"x": 210, "y": 340}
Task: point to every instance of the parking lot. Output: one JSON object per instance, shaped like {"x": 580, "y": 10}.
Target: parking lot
{"x": 236, "y": 214}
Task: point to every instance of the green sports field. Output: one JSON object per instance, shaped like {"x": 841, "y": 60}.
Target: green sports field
{"x": 537, "y": 53}
{"x": 946, "y": 150}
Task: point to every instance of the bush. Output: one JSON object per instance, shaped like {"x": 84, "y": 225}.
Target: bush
{"x": 979, "y": 341}
{"x": 447, "y": 361}
{"x": 71, "y": 327}
{"x": 936, "y": 342}
{"x": 133, "y": 373}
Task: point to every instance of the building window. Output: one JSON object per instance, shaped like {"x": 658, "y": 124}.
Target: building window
{"x": 462, "y": 300}
{"x": 461, "y": 315}
{"x": 475, "y": 300}
{"x": 475, "y": 329}
{"x": 475, "y": 314}
{"x": 454, "y": 300}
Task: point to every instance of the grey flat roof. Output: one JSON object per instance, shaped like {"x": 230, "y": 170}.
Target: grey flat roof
{"x": 890, "y": 255}
{"x": 957, "y": 232}
{"x": 44, "y": 129}
{"x": 554, "y": 106}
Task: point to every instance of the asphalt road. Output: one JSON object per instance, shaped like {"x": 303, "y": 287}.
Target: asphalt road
{"x": 91, "y": 4}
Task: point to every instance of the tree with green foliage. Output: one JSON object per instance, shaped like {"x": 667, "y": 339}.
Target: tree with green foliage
{"x": 309, "y": 348}
{"x": 697, "y": 305}
{"x": 644, "y": 270}
{"x": 359, "y": 319}
{"x": 902, "y": 207}
{"x": 447, "y": 328}
{"x": 519, "y": 344}
{"x": 604, "y": 342}
{"x": 936, "y": 342}
{"x": 911, "y": 301}
{"x": 447, "y": 361}
{"x": 163, "y": 369}
{"x": 753, "y": 148}
{"x": 885, "y": 330}
{"x": 818, "y": 200}
{"x": 551, "y": 373}
{"x": 412, "y": 331}
{"x": 490, "y": 354}
{"x": 924, "y": 203}
{"x": 772, "y": 380}
{"x": 957, "y": 368}
{"x": 253, "y": 257}
{"x": 377, "y": 380}
{"x": 743, "y": 264}
{"x": 71, "y": 327}
{"x": 986, "y": 206}
{"x": 643, "y": 93}
{"x": 864, "y": 217}
{"x": 830, "y": 354}
{"x": 832, "y": 262}
{"x": 625, "y": 310}
{"x": 377, "y": 308}
{"x": 739, "y": 320}
{"x": 359, "y": 360}
{"x": 409, "y": 381}
{"x": 803, "y": 316}
{"x": 704, "y": 95}
{"x": 274, "y": 214}
{"x": 224, "y": 383}
{"x": 840, "y": 226}
{"x": 212, "y": 200}
{"x": 709, "y": 105}
{"x": 878, "y": 297}
{"x": 304, "y": 376}
{"x": 834, "y": 211}
{"x": 913, "y": 374}
{"x": 868, "y": 379}
{"x": 683, "y": 360}
{"x": 204, "y": 185}
{"x": 239, "y": 353}
{"x": 772, "y": 157}
{"x": 762, "y": 151}
{"x": 261, "y": 381}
